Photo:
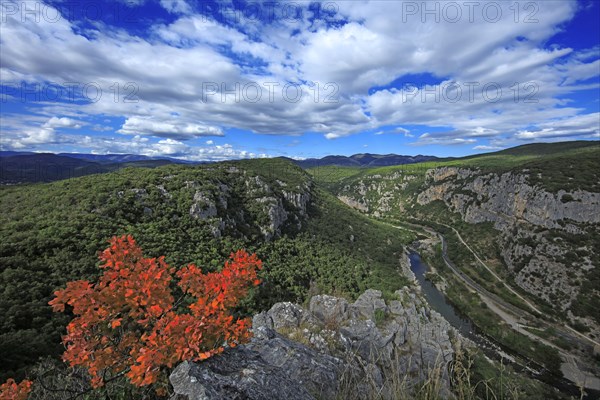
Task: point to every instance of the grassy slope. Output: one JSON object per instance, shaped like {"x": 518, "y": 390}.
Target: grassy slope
{"x": 51, "y": 233}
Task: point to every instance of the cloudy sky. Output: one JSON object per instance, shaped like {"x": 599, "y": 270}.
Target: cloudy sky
{"x": 212, "y": 80}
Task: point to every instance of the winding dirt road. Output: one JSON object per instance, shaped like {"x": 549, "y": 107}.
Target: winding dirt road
{"x": 515, "y": 317}
{"x": 572, "y": 330}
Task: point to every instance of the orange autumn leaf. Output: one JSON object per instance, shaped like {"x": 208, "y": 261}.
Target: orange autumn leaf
{"x": 156, "y": 310}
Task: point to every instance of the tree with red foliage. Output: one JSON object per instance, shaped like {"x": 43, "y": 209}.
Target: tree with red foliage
{"x": 127, "y": 323}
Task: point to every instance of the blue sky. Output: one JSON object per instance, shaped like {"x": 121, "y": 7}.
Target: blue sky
{"x": 216, "y": 80}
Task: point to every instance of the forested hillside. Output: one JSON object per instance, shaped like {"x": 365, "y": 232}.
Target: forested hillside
{"x": 308, "y": 240}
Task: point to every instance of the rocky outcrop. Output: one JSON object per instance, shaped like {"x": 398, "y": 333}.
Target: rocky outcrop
{"x": 203, "y": 206}
{"x": 238, "y": 373}
{"x": 287, "y": 207}
{"x": 335, "y": 349}
{"x": 376, "y": 194}
{"x": 267, "y": 208}
{"x": 299, "y": 200}
{"x": 276, "y": 214}
{"x": 357, "y": 204}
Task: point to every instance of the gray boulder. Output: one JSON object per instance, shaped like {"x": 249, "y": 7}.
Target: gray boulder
{"x": 238, "y": 373}
{"x": 328, "y": 309}
{"x": 272, "y": 367}
{"x": 367, "y": 304}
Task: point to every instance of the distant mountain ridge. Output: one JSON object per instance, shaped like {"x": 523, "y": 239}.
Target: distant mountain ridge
{"x": 44, "y": 167}
{"x": 27, "y": 167}
{"x": 123, "y": 158}
{"x": 364, "y": 160}
{"x": 106, "y": 158}
{"x": 97, "y": 158}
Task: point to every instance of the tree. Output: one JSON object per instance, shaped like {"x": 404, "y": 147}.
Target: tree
{"x": 129, "y": 322}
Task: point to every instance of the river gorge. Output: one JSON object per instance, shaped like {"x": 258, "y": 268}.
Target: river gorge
{"x": 493, "y": 350}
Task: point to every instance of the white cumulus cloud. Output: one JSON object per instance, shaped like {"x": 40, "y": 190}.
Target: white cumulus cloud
{"x": 170, "y": 129}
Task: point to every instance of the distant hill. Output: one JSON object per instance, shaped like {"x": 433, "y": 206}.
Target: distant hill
{"x": 6, "y": 153}
{"x": 27, "y": 167}
{"x": 379, "y": 160}
{"x": 363, "y": 160}
{"x": 107, "y": 158}
{"x": 538, "y": 149}
{"x": 123, "y": 158}
{"x": 44, "y": 167}
{"x": 542, "y": 149}
{"x": 339, "y": 161}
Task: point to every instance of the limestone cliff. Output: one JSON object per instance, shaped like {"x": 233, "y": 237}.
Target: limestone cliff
{"x": 275, "y": 205}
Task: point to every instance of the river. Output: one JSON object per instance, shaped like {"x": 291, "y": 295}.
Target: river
{"x": 438, "y": 302}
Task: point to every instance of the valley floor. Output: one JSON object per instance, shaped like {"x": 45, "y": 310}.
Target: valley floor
{"x": 574, "y": 368}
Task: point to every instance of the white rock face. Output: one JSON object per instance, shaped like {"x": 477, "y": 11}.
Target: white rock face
{"x": 266, "y": 207}
{"x": 276, "y": 213}
{"x": 508, "y": 197}
{"x": 203, "y": 207}
{"x": 353, "y": 203}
